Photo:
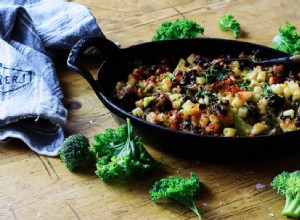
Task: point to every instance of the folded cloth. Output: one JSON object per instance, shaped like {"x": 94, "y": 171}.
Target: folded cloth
{"x": 30, "y": 93}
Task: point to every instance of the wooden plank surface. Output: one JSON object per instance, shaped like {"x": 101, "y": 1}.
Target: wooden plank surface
{"x": 38, "y": 187}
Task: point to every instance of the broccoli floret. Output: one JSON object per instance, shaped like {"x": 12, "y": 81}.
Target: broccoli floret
{"x": 228, "y": 22}
{"x": 243, "y": 128}
{"x": 288, "y": 186}
{"x": 178, "y": 29}
{"x": 178, "y": 188}
{"x": 120, "y": 154}
{"x": 76, "y": 153}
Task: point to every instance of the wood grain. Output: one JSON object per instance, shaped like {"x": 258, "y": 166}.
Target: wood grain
{"x": 39, "y": 187}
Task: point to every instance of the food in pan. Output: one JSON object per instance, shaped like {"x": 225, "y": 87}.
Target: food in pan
{"x": 213, "y": 96}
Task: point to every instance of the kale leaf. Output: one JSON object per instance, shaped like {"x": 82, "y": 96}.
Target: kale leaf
{"x": 287, "y": 40}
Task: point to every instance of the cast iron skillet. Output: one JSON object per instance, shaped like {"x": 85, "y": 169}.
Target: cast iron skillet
{"x": 117, "y": 66}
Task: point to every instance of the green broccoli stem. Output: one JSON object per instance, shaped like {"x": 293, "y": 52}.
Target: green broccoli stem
{"x": 129, "y": 146}
{"x": 292, "y": 207}
{"x": 129, "y": 143}
{"x": 129, "y": 128}
{"x": 188, "y": 203}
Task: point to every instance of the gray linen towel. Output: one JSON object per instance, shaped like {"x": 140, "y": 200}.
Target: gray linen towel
{"x": 30, "y": 94}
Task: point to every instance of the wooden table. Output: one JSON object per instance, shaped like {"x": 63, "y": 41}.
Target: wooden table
{"x": 38, "y": 187}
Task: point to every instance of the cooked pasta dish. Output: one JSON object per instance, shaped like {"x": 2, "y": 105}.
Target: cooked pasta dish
{"x": 213, "y": 96}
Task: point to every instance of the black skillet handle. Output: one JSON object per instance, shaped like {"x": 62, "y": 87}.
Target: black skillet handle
{"x": 105, "y": 46}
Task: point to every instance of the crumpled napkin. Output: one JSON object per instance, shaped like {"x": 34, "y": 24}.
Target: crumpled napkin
{"x": 30, "y": 94}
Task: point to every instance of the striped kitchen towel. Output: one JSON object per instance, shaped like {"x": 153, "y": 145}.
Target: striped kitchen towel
{"x": 30, "y": 93}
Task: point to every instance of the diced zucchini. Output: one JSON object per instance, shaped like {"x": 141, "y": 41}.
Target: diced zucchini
{"x": 148, "y": 100}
